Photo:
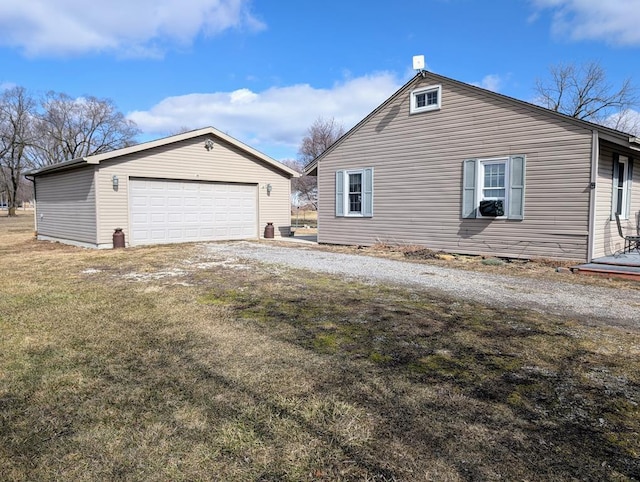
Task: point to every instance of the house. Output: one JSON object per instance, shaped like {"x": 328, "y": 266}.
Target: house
{"x": 458, "y": 168}
{"x": 202, "y": 185}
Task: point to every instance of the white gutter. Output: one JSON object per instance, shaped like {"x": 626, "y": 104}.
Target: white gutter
{"x": 595, "y": 155}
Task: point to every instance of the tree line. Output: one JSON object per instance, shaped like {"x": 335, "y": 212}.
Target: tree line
{"x": 37, "y": 132}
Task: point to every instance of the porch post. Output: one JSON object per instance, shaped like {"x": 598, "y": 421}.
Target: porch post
{"x": 595, "y": 155}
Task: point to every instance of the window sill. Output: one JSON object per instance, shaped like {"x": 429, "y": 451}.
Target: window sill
{"x": 423, "y": 109}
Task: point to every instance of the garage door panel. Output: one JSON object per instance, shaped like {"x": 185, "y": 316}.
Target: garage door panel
{"x": 137, "y": 200}
{"x": 157, "y": 234}
{"x": 177, "y": 211}
{"x": 140, "y": 234}
{"x": 191, "y": 201}
{"x": 139, "y": 218}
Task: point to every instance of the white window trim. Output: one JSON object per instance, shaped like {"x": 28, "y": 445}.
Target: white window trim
{"x": 623, "y": 163}
{"x": 480, "y": 185}
{"x": 342, "y": 193}
{"x": 347, "y": 212}
{"x": 423, "y": 90}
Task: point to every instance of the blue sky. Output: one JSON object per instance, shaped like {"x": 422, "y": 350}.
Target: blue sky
{"x": 264, "y": 70}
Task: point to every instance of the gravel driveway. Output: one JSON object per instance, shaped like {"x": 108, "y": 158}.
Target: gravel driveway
{"x": 589, "y": 303}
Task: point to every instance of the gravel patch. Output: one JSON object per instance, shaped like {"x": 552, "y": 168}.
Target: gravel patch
{"x": 589, "y": 303}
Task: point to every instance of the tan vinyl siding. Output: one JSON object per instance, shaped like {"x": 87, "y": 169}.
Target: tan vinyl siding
{"x": 189, "y": 160}
{"x": 66, "y": 205}
{"x": 417, "y": 160}
{"x": 606, "y": 240}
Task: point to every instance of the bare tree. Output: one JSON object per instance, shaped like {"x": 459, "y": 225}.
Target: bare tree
{"x": 320, "y": 136}
{"x": 71, "y": 128}
{"x": 583, "y": 92}
{"x": 304, "y": 189}
{"x": 17, "y": 137}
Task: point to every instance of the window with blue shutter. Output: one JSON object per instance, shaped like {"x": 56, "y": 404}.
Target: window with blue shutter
{"x": 339, "y": 193}
{"x": 354, "y": 192}
{"x": 469, "y": 206}
{"x": 516, "y": 187}
{"x": 494, "y": 187}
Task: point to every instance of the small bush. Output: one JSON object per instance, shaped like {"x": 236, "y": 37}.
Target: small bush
{"x": 493, "y": 262}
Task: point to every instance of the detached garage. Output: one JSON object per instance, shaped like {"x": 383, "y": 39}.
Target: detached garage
{"x": 198, "y": 186}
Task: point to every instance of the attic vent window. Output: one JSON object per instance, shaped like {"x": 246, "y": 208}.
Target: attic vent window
{"x": 426, "y": 99}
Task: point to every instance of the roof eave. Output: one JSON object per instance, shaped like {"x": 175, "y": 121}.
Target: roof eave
{"x": 311, "y": 169}
{"x": 190, "y": 135}
{"x": 313, "y": 165}
{"x": 98, "y": 158}
{"x": 62, "y": 166}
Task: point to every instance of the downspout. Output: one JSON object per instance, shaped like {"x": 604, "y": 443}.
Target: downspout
{"x": 35, "y": 205}
{"x": 595, "y": 154}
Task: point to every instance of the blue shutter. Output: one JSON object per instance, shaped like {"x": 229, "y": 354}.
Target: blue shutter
{"x": 339, "y": 193}
{"x": 614, "y": 186}
{"x": 367, "y": 193}
{"x": 516, "y": 187}
{"x": 469, "y": 170}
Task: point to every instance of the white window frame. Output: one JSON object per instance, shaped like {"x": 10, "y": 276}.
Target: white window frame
{"x": 480, "y": 185}
{"x": 414, "y": 109}
{"x": 366, "y": 193}
{"x": 623, "y": 170}
{"x": 515, "y": 194}
{"x": 347, "y": 193}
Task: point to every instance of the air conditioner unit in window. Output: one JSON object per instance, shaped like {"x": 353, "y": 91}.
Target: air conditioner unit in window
{"x": 492, "y": 208}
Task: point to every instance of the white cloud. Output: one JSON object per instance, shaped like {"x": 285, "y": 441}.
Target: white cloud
{"x": 614, "y": 21}
{"x": 626, "y": 121}
{"x": 277, "y": 117}
{"x": 491, "y": 82}
{"x": 129, "y": 28}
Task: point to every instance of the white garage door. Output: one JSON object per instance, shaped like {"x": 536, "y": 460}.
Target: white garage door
{"x": 180, "y": 211}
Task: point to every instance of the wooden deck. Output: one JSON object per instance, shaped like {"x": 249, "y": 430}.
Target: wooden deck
{"x": 625, "y": 265}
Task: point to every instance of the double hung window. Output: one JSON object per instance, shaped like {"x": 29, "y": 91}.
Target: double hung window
{"x": 354, "y": 192}
{"x": 499, "y": 179}
{"x": 622, "y": 178}
{"x": 493, "y": 180}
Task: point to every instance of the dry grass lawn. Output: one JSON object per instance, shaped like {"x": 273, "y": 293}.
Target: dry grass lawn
{"x": 159, "y": 364}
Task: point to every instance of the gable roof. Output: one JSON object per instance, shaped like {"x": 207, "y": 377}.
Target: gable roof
{"x": 98, "y": 158}
{"x": 617, "y": 137}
